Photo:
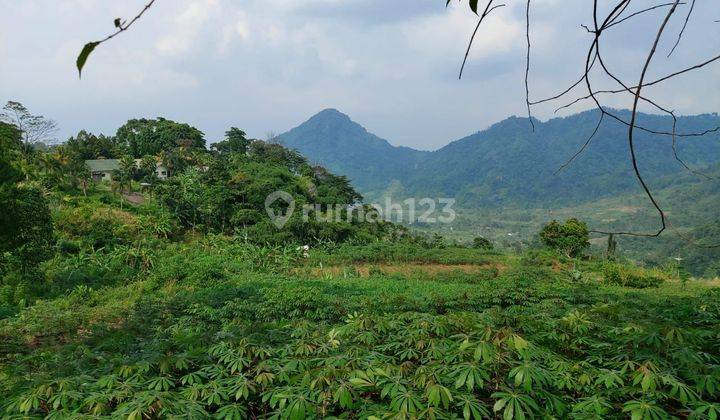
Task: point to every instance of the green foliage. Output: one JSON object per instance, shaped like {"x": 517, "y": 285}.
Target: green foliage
{"x": 87, "y": 146}
{"x": 143, "y": 137}
{"x": 122, "y": 177}
{"x": 570, "y": 238}
{"x": 10, "y": 146}
{"x": 229, "y": 197}
{"x": 146, "y": 171}
{"x": 236, "y": 141}
{"x": 627, "y": 276}
{"x": 84, "y": 54}
{"x": 26, "y": 231}
{"x": 481, "y": 243}
{"x": 96, "y": 226}
{"x": 207, "y": 333}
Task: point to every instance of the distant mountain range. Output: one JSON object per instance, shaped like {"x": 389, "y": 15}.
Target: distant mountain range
{"x": 508, "y": 163}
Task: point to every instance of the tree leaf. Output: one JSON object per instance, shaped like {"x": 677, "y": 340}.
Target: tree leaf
{"x": 473, "y": 6}
{"x": 82, "y": 58}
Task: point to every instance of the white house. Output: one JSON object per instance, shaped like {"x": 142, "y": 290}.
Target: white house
{"x": 102, "y": 169}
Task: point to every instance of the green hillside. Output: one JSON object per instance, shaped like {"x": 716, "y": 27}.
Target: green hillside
{"x": 506, "y": 186}
{"x": 690, "y": 202}
{"x": 508, "y": 163}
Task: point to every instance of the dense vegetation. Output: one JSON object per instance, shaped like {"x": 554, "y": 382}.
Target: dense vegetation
{"x": 220, "y": 327}
{"x": 183, "y": 301}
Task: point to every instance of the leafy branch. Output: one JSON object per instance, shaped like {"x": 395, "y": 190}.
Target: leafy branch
{"x": 120, "y": 25}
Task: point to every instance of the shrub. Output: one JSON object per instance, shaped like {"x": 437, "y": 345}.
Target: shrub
{"x": 482, "y": 243}
{"x": 26, "y": 229}
{"x": 628, "y": 277}
{"x": 97, "y": 226}
{"x": 67, "y": 247}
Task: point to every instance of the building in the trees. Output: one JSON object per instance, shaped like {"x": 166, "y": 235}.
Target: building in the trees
{"x": 102, "y": 169}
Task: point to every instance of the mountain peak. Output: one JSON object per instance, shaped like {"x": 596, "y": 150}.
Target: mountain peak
{"x": 330, "y": 114}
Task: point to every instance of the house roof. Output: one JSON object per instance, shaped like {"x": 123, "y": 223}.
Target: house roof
{"x": 103, "y": 165}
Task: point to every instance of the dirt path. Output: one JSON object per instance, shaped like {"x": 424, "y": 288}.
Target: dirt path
{"x": 405, "y": 269}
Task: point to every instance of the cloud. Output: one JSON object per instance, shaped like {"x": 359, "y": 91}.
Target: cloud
{"x": 185, "y": 27}
{"x": 434, "y": 33}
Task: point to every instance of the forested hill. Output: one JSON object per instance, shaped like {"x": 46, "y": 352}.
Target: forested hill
{"x": 332, "y": 139}
{"x": 509, "y": 163}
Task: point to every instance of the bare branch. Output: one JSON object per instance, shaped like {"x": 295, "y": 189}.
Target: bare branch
{"x": 682, "y": 31}
{"x": 584, "y": 146}
{"x": 527, "y": 64}
{"x": 631, "y": 130}
{"x": 485, "y": 12}
{"x": 639, "y": 12}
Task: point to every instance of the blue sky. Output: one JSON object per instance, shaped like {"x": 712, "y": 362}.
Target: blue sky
{"x": 266, "y": 66}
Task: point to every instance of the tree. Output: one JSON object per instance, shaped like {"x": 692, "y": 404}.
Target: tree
{"x": 26, "y": 230}
{"x": 89, "y": 146}
{"x": 481, "y": 243}
{"x": 152, "y": 136}
{"x": 236, "y": 141}
{"x": 128, "y": 169}
{"x": 34, "y": 128}
{"x": 570, "y": 238}
{"x": 611, "y": 247}
{"x": 122, "y": 178}
{"x": 50, "y": 170}
{"x": 10, "y": 146}
{"x": 80, "y": 173}
{"x": 147, "y": 171}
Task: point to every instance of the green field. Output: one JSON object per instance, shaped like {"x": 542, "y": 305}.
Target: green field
{"x": 215, "y": 327}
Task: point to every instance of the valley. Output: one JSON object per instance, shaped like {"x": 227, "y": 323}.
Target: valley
{"x": 506, "y": 182}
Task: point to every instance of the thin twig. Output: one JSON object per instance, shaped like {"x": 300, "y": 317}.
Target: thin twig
{"x": 654, "y": 82}
{"x": 527, "y": 65}
{"x": 486, "y": 12}
{"x": 638, "y": 13}
{"x": 582, "y": 149}
{"x": 682, "y": 31}
{"x": 122, "y": 27}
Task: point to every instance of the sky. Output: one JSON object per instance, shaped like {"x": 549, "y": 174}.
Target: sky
{"x": 391, "y": 65}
